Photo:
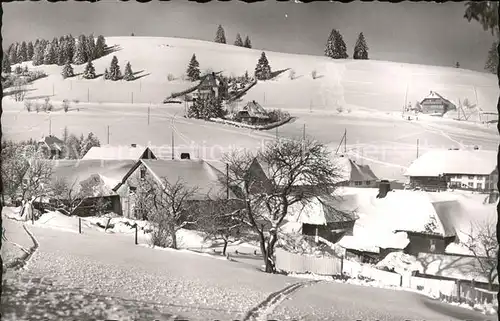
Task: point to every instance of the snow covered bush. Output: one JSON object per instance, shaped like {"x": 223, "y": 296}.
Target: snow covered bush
{"x": 291, "y": 74}
{"x": 340, "y": 109}
{"x": 28, "y": 104}
{"x": 65, "y": 105}
{"x": 314, "y": 74}
{"x": 170, "y": 77}
{"x": 47, "y": 106}
{"x": 277, "y": 115}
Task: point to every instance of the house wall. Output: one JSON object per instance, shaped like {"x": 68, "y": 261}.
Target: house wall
{"x": 332, "y": 232}
{"x": 366, "y": 184}
{"x": 430, "y": 106}
{"x": 476, "y": 182}
{"x": 421, "y": 243}
{"x": 429, "y": 183}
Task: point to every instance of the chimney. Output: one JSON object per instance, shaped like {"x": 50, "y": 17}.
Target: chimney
{"x": 185, "y": 156}
{"x": 133, "y": 145}
{"x": 383, "y": 188}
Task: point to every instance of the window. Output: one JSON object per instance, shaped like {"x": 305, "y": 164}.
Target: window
{"x": 470, "y": 185}
{"x": 133, "y": 188}
{"x": 479, "y": 186}
{"x": 471, "y": 176}
{"x": 143, "y": 172}
{"x": 432, "y": 245}
{"x": 358, "y": 183}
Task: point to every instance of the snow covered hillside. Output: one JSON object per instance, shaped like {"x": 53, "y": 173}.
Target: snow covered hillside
{"x": 348, "y": 83}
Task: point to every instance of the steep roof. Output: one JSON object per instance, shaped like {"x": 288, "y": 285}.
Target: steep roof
{"x": 53, "y": 142}
{"x": 352, "y": 171}
{"x": 193, "y": 173}
{"x": 209, "y": 80}
{"x": 438, "y": 162}
{"x": 74, "y": 172}
{"x": 400, "y": 211}
{"x": 254, "y": 109}
{"x": 434, "y": 95}
{"x": 109, "y": 152}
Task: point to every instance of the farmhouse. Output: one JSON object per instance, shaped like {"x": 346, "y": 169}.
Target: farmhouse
{"x": 101, "y": 175}
{"x": 108, "y": 152}
{"x": 356, "y": 175}
{"x": 435, "y": 103}
{"x": 199, "y": 174}
{"x": 52, "y": 146}
{"x": 211, "y": 85}
{"x": 252, "y": 113}
{"x": 455, "y": 169}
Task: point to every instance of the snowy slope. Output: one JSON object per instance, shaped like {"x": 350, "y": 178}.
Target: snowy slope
{"x": 376, "y": 85}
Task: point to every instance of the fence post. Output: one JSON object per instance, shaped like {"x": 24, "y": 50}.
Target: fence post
{"x": 342, "y": 265}
{"x": 136, "y": 234}
{"x": 80, "y": 225}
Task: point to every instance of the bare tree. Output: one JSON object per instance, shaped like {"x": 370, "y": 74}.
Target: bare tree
{"x": 284, "y": 173}
{"x": 20, "y": 89}
{"x": 170, "y": 206}
{"x": 221, "y": 220}
{"x": 482, "y": 243}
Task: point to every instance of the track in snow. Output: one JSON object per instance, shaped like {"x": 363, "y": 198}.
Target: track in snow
{"x": 266, "y": 307}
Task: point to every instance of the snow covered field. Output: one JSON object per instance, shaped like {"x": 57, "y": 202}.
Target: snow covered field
{"x": 371, "y": 94}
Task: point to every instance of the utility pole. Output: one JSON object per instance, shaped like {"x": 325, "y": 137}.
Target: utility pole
{"x": 417, "y": 147}
{"x": 132, "y": 94}
{"x": 227, "y": 180}
{"x": 53, "y": 90}
{"x": 88, "y": 95}
{"x": 304, "y": 132}
{"x": 172, "y": 143}
{"x": 108, "y": 134}
{"x": 310, "y": 106}
{"x": 50, "y": 126}
{"x": 149, "y": 112}
{"x": 345, "y": 141}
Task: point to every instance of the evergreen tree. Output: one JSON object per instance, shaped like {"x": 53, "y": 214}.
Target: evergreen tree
{"x": 220, "y": 37}
{"x": 340, "y": 46}
{"x": 90, "y": 47}
{"x": 128, "y": 74}
{"x": 67, "y": 71}
{"x": 80, "y": 55}
{"x": 23, "y": 52}
{"x": 38, "y": 55}
{"x": 106, "y": 74}
{"x": 62, "y": 56}
{"x": 263, "y": 69}
{"x": 247, "y": 43}
{"x": 13, "y": 54}
{"x": 6, "y": 68}
{"x": 86, "y": 144}
{"x": 89, "y": 72}
{"x": 193, "y": 70}
{"x": 361, "y": 48}
{"x": 30, "y": 51}
{"x": 70, "y": 47}
{"x": 457, "y": 65}
{"x": 492, "y": 60}
{"x": 100, "y": 46}
{"x": 330, "y": 45}
{"x": 247, "y": 77}
{"x": 49, "y": 56}
{"x": 238, "y": 41}
{"x": 9, "y": 51}
{"x": 114, "y": 70}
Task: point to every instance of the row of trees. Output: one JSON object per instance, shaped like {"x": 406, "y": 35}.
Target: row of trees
{"x": 114, "y": 73}
{"x": 58, "y": 51}
{"x": 336, "y": 47}
{"x": 220, "y": 37}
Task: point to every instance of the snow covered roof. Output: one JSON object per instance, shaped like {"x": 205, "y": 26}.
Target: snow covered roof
{"x": 466, "y": 162}
{"x": 193, "y": 173}
{"x": 320, "y": 211}
{"x": 434, "y": 95}
{"x": 77, "y": 171}
{"x": 254, "y": 109}
{"x": 109, "y": 152}
{"x": 451, "y": 266}
{"x": 381, "y": 219}
{"x": 353, "y": 171}
{"x": 53, "y": 142}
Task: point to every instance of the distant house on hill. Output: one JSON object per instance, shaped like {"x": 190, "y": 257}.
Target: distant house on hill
{"x": 456, "y": 169}
{"x": 211, "y": 85}
{"x": 52, "y": 146}
{"x": 252, "y": 113}
{"x": 435, "y": 103}
{"x": 132, "y": 152}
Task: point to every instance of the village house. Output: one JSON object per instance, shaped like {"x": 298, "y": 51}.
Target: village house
{"x": 202, "y": 175}
{"x": 51, "y": 146}
{"x": 211, "y": 86}
{"x": 435, "y": 103}
{"x": 455, "y": 169}
{"x": 356, "y": 175}
{"x": 252, "y": 113}
{"x": 108, "y": 152}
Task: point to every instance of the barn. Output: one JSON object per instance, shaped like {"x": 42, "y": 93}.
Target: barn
{"x": 435, "y": 103}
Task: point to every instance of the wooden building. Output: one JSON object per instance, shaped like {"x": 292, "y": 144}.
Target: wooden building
{"x": 252, "y": 113}
{"x": 435, "y": 103}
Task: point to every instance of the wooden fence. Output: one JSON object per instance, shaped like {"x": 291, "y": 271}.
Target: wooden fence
{"x": 298, "y": 263}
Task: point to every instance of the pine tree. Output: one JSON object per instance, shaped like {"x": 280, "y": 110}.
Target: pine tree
{"x": 49, "y": 56}
{"x": 492, "y": 60}
{"x": 23, "y": 52}
{"x": 193, "y": 70}
{"x": 13, "y": 54}
{"x": 220, "y": 37}
{"x": 62, "y": 56}
{"x": 361, "y": 48}
{"x": 80, "y": 55}
{"x": 90, "y": 47}
{"x": 330, "y": 45}
{"x": 87, "y": 143}
{"x": 114, "y": 70}
{"x": 247, "y": 43}
{"x": 67, "y": 71}
{"x": 100, "y": 46}
{"x": 89, "y": 72}
{"x": 70, "y": 47}
{"x": 106, "y": 74}
{"x": 247, "y": 77}
{"x": 340, "y": 46}
{"x": 263, "y": 69}
{"x": 39, "y": 54}
{"x": 6, "y": 68}
{"x": 30, "y": 51}
{"x": 128, "y": 74}
{"x": 238, "y": 41}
